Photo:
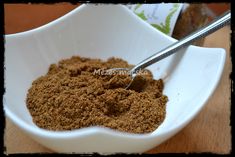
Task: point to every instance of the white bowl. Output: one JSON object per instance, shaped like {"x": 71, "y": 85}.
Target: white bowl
{"x": 102, "y": 31}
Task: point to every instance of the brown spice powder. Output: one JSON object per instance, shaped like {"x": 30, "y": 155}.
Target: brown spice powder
{"x": 71, "y": 96}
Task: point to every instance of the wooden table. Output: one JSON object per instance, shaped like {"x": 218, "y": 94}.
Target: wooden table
{"x": 208, "y": 132}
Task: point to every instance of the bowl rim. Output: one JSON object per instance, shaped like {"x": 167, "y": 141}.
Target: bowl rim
{"x": 98, "y": 129}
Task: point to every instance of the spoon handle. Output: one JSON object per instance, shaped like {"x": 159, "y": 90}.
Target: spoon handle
{"x": 204, "y": 31}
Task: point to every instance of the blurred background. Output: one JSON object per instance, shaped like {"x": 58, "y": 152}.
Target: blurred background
{"x": 29, "y": 16}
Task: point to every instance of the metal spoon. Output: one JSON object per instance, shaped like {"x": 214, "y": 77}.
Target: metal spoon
{"x": 204, "y": 31}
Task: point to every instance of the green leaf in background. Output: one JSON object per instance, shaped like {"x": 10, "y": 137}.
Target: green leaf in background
{"x": 137, "y": 6}
{"x": 165, "y": 28}
{"x": 142, "y": 16}
{"x": 161, "y": 28}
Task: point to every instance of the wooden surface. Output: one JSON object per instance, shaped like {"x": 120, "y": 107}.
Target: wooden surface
{"x": 208, "y": 132}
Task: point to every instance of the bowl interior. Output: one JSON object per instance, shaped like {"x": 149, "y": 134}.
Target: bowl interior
{"x": 103, "y": 31}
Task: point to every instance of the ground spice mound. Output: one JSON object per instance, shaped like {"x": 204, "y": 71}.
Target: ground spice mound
{"x": 74, "y": 95}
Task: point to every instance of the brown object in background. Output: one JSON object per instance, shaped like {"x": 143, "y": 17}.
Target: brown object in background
{"x": 218, "y": 9}
{"x": 195, "y": 16}
{"x": 189, "y": 21}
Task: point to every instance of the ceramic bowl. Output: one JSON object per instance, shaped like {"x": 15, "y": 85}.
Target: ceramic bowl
{"x": 103, "y": 31}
